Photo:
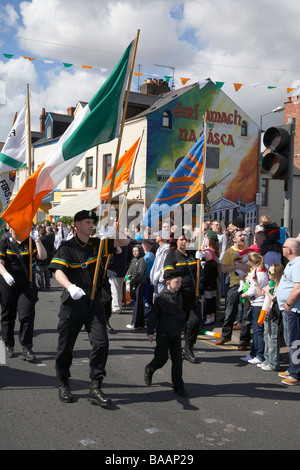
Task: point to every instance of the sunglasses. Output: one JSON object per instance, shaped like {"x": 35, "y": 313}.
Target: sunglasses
{"x": 271, "y": 272}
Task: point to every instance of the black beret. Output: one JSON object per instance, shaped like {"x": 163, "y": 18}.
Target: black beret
{"x": 171, "y": 274}
{"x": 239, "y": 223}
{"x": 81, "y": 215}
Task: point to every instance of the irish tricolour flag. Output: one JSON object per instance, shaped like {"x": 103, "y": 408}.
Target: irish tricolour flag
{"x": 99, "y": 122}
{"x": 13, "y": 157}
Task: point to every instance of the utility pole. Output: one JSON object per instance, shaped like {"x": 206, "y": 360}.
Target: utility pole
{"x": 288, "y": 184}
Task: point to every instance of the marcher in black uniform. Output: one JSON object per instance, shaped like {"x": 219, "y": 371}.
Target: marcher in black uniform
{"x": 166, "y": 318}
{"x": 74, "y": 265}
{"x": 186, "y": 265}
{"x": 18, "y": 295}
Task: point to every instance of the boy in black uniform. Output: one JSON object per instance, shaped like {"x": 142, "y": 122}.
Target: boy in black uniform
{"x": 166, "y": 318}
{"x": 17, "y": 294}
{"x": 74, "y": 265}
{"x": 183, "y": 262}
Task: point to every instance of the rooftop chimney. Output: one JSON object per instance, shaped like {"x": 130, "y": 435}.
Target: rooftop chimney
{"x": 42, "y": 120}
{"x": 70, "y": 111}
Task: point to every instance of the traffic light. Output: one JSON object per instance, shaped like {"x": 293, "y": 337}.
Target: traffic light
{"x": 278, "y": 140}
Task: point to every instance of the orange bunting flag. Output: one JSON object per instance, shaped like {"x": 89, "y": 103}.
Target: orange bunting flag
{"x": 290, "y": 89}
{"x": 138, "y": 74}
{"x": 86, "y": 67}
{"x": 123, "y": 173}
{"x": 237, "y": 86}
{"x": 184, "y": 80}
{"x": 29, "y": 58}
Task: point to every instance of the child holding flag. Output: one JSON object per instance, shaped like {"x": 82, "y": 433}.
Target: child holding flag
{"x": 258, "y": 280}
{"x": 272, "y": 321}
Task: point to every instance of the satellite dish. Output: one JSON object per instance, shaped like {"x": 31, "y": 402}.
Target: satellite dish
{"x": 76, "y": 170}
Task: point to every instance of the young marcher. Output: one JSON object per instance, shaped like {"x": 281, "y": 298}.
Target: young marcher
{"x": 166, "y": 319}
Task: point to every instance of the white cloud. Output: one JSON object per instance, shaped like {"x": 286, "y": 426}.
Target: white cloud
{"x": 8, "y": 16}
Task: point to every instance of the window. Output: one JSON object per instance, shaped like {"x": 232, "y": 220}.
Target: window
{"x": 244, "y": 128}
{"x": 167, "y": 122}
{"x": 212, "y": 157}
{"x": 264, "y": 191}
{"x": 69, "y": 181}
{"x": 106, "y": 165}
{"x": 48, "y": 132}
{"x": 89, "y": 171}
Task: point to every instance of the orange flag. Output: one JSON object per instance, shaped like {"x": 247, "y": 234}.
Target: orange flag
{"x": 237, "y": 86}
{"x": 123, "y": 173}
{"x": 20, "y": 212}
{"x": 184, "y": 80}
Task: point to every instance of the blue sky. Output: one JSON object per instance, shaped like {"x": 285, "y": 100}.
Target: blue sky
{"x": 226, "y": 40}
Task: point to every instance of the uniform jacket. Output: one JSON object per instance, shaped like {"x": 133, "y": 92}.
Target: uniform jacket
{"x": 166, "y": 316}
{"x": 186, "y": 265}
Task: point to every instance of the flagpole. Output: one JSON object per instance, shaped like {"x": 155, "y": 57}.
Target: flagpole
{"x": 201, "y": 210}
{"x": 125, "y": 196}
{"x": 29, "y": 173}
{"x": 97, "y": 268}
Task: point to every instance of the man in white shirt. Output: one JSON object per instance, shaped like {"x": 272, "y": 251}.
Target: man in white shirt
{"x": 217, "y": 228}
{"x": 157, "y": 270}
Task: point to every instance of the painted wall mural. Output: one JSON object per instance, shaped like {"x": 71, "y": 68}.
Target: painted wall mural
{"x": 232, "y": 149}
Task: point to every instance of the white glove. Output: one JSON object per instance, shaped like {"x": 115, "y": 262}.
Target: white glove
{"x": 200, "y": 254}
{"x": 75, "y": 292}
{"x": 107, "y": 232}
{"x": 35, "y": 236}
{"x": 9, "y": 279}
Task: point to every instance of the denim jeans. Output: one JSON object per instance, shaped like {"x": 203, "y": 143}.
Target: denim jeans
{"x": 258, "y": 344}
{"x": 231, "y": 310}
{"x": 272, "y": 344}
{"x": 245, "y": 335}
{"x": 291, "y": 333}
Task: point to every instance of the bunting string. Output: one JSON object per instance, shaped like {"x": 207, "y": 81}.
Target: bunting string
{"x": 184, "y": 80}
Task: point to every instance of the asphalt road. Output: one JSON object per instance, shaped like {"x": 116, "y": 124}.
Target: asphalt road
{"x": 231, "y": 405}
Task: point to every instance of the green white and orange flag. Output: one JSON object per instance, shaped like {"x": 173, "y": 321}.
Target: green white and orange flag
{"x": 99, "y": 122}
{"x": 13, "y": 157}
{"x": 123, "y": 173}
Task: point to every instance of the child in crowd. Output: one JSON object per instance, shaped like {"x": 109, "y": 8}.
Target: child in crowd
{"x": 136, "y": 278}
{"x": 243, "y": 258}
{"x": 209, "y": 283}
{"x": 166, "y": 319}
{"x": 272, "y": 322}
{"x": 149, "y": 257}
{"x": 257, "y": 280}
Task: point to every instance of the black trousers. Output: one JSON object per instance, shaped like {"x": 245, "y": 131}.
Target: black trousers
{"x": 73, "y": 315}
{"x": 138, "y": 315}
{"x": 18, "y": 299}
{"x": 164, "y": 344}
{"x": 192, "y": 317}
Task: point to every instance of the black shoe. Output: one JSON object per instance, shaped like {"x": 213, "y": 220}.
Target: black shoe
{"x": 109, "y": 328}
{"x": 64, "y": 391}
{"x": 189, "y": 355}
{"x": 96, "y": 395}
{"x": 181, "y": 391}
{"x": 28, "y": 355}
{"x": 148, "y": 375}
{"x": 9, "y": 351}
